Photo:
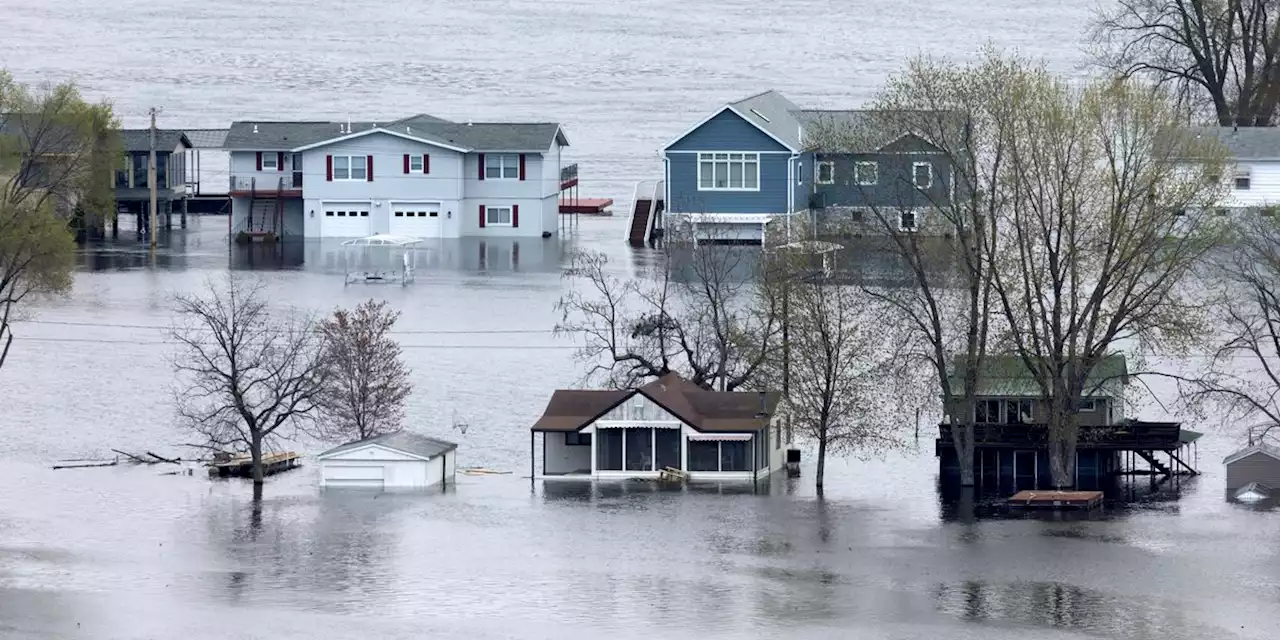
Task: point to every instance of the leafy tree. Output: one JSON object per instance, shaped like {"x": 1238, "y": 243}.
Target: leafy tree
{"x": 366, "y": 381}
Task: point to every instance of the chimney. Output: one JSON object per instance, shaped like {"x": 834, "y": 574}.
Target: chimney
{"x": 255, "y": 128}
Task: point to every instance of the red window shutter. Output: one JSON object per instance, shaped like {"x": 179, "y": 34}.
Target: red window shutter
{"x": 480, "y": 158}
{"x": 279, "y": 161}
{"x": 522, "y": 166}
{"x": 259, "y": 161}
{"x": 369, "y": 173}
{"x": 406, "y": 163}
{"x": 328, "y": 168}
{"x": 426, "y": 163}
{"x": 515, "y": 215}
{"x": 481, "y": 216}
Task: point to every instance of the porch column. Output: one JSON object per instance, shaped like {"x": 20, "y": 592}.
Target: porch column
{"x": 595, "y": 435}
{"x": 184, "y": 213}
{"x": 532, "y": 449}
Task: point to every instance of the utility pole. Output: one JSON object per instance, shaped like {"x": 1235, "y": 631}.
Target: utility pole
{"x": 151, "y": 177}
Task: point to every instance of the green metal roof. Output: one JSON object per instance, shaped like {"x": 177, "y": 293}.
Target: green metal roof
{"x": 1006, "y": 375}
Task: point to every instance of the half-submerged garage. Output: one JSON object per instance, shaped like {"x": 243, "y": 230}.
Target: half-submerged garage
{"x": 394, "y": 461}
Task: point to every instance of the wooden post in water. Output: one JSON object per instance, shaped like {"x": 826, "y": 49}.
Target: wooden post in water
{"x": 151, "y": 178}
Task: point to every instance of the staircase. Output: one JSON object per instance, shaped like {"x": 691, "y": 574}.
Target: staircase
{"x": 640, "y": 222}
{"x": 1156, "y": 465}
{"x": 647, "y": 203}
{"x": 263, "y": 216}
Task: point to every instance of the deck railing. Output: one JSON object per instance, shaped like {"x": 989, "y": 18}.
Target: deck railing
{"x": 265, "y": 183}
{"x": 1138, "y": 435}
{"x": 569, "y": 172}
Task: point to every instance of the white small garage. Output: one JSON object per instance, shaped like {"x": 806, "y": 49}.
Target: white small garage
{"x": 349, "y": 220}
{"x": 420, "y": 220}
{"x": 401, "y": 460}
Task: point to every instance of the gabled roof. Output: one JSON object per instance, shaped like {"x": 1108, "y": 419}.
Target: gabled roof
{"x": 206, "y": 138}
{"x": 1264, "y": 449}
{"x": 1247, "y": 143}
{"x": 1007, "y": 375}
{"x": 414, "y": 444}
{"x": 166, "y": 139}
{"x": 870, "y": 130}
{"x": 515, "y": 137}
{"x": 769, "y": 111}
{"x": 718, "y": 411}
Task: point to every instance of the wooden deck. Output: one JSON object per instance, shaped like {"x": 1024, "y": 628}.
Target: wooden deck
{"x": 242, "y": 466}
{"x": 587, "y": 206}
{"x": 1034, "y": 499}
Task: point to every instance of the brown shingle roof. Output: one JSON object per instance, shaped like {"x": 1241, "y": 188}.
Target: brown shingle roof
{"x": 573, "y": 409}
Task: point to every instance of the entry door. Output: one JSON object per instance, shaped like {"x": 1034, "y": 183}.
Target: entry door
{"x": 1024, "y": 470}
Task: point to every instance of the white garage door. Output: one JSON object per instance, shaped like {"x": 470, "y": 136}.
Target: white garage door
{"x": 416, "y": 220}
{"x": 363, "y": 477}
{"x": 346, "y": 221}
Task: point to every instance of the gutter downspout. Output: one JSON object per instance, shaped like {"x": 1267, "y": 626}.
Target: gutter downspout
{"x": 791, "y": 189}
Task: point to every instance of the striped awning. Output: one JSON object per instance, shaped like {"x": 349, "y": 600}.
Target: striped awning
{"x": 720, "y": 436}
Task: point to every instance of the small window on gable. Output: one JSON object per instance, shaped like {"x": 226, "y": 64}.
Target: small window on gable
{"x": 1243, "y": 179}
{"x": 826, "y": 172}
{"x": 922, "y": 175}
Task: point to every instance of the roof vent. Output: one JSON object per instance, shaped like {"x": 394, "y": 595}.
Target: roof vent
{"x": 341, "y": 129}
{"x": 255, "y": 128}
{"x": 761, "y": 115}
{"x": 408, "y": 130}
{"x": 468, "y": 122}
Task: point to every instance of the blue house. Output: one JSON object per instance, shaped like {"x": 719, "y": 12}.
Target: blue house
{"x": 762, "y": 160}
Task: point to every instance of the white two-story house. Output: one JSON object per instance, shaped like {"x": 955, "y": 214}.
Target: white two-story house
{"x": 1254, "y": 179}
{"x": 421, "y": 176}
{"x": 669, "y": 423}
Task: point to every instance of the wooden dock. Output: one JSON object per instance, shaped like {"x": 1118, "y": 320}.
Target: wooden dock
{"x": 242, "y": 466}
{"x": 587, "y": 206}
{"x": 1034, "y": 499}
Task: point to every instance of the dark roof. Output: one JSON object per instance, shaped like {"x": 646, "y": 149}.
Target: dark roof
{"x": 1264, "y": 449}
{"x": 1007, "y": 375}
{"x": 140, "y": 139}
{"x": 406, "y": 441}
{"x": 868, "y": 130}
{"x": 1247, "y": 143}
{"x": 206, "y": 138}
{"x": 479, "y": 136}
{"x": 772, "y": 112}
{"x": 573, "y": 409}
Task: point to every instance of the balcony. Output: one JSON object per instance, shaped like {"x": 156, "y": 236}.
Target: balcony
{"x": 286, "y": 185}
{"x": 569, "y": 176}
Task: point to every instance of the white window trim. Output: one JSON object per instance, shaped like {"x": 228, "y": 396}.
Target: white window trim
{"x": 1246, "y": 175}
{"x": 269, "y": 159}
{"x": 831, "y": 172}
{"x": 502, "y": 166}
{"x": 709, "y": 156}
{"x": 859, "y": 178}
{"x": 488, "y": 210}
{"x": 418, "y": 159}
{"x": 364, "y": 165}
{"x": 1089, "y": 405}
{"x": 916, "y": 165}
{"x": 915, "y": 220}
{"x": 799, "y": 172}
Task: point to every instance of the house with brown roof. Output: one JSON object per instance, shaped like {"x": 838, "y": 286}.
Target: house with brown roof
{"x": 667, "y": 423}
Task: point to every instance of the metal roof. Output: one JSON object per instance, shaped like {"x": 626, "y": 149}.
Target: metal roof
{"x": 535, "y": 137}
{"x": 206, "y": 138}
{"x": 1264, "y": 449}
{"x": 140, "y": 139}
{"x": 1247, "y": 143}
{"x": 404, "y": 441}
{"x": 869, "y": 130}
{"x": 1006, "y": 375}
{"x": 773, "y": 113}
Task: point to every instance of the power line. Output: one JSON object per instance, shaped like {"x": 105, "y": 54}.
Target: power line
{"x": 71, "y": 323}
{"x": 527, "y": 347}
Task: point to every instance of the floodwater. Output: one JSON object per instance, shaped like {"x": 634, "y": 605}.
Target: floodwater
{"x": 131, "y": 553}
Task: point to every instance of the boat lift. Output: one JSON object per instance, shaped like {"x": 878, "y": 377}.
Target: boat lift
{"x": 402, "y": 276}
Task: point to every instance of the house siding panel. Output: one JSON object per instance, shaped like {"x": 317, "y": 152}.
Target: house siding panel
{"x": 682, "y": 184}
{"x": 893, "y": 187}
{"x": 561, "y": 458}
{"x": 804, "y": 186}
{"x": 1259, "y": 467}
{"x": 727, "y": 132}
{"x": 244, "y": 166}
{"x": 1264, "y": 187}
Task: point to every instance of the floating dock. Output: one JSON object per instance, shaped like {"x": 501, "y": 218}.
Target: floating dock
{"x": 242, "y": 466}
{"x": 587, "y": 206}
{"x": 1034, "y": 499}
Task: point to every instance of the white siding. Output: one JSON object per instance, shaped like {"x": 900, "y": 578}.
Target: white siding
{"x": 1264, "y": 187}
{"x": 400, "y": 471}
{"x": 560, "y": 458}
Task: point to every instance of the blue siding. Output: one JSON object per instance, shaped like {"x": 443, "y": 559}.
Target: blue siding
{"x": 894, "y": 187}
{"x": 726, "y": 132}
{"x": 682, "y": 183}
{"x": 804, "y": 186}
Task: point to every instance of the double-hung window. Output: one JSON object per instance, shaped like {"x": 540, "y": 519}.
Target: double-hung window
{"x": 502, "y": 166}
{"x": 497, "y": 216}
{"x": 1242, "y": 179}
{"x": 350, "y": 167}
{"x": 908, "y": 220}
{"x": 865, "y": 173}
{"x": 415, "y": 164}
{"x": 269, "y": 161}
{"x": 922, "y": 175}
{"x": 826, "y": 172}
{"x": 728, "y": 172}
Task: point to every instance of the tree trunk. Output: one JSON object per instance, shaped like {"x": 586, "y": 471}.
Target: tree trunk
{"x": 962, "y": 437}
{"x": 822, "y": 455}
{"x": 255, "y": 452}
{"x": 1062, "y": 448}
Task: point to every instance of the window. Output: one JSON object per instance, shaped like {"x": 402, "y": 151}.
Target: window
{"x": 719, "y": 455}
{"x": 140, "y": 171}
{"x": 1220, "y": 212}
{"x": 908, "y": 221}
{"x": 733, "y": 455}
{"x": 639, "y": 448}
{"x": 122, "y": 175}
{"x": 1017, "y": 412}
{"x": 667, "y": 448}
{"x": 857, "y": 214}
{"x": 502, "y": 166}
{"x": 986, "y": 411}
{"x": 1242, "y": 179}
{"x": 826, "y": 172}
{"x": 497, "y": 216}
{"x": 349, "y": 167}
{"x": 866, "y": 173}
{"x": 415, "y": 164}
{"x": 162, "y": 170}
{"x": 1088, "y": 405}
{"x": 799, "y": 173}
{"x": 269, "y": 161}
{"x": 577, "y": 439}
{"x": 922, "y": 175}
{"x": 609, "y": 450}
{"x": 728, "y": 172}
{"x": 704, "y": 455}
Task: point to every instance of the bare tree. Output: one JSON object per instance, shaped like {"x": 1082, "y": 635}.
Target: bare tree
{"x": 842, "y": 362}
{"x": 366, "y": 381}
{"x": 1099, "y": 231}
{"x": 244, "y": 373}
{"x": 56, "y": 156}
{"x": 949, "y": 116}
{"x": 1224, "y": 54}
{"x": 708, "y": 316}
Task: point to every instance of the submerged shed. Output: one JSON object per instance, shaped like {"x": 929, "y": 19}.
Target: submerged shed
{"x": 1259, "y": 463}
{"x": 401, "y": 460}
